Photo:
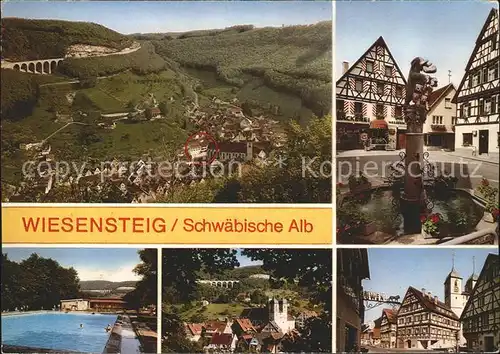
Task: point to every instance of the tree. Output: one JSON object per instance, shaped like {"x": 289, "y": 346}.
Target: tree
{"x": 163, "y": 107}
{"x": 181, "y": 267}
{"x": 145, "y": 292}
{"x": 311, "y": 269}
{"x": 247, "y": 109}
{"x": 258, "y": 297}
{"x": 180, "y": 271}
{"x": 148, "y": 112}
{"x": 37, "y": 283}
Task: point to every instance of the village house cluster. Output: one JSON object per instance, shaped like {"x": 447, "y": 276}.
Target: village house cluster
{"x": 226, "y": 134}
{"x": 260, "y": 329}
{"x": 370, "y": 97}
{"x": 469, "y": 316}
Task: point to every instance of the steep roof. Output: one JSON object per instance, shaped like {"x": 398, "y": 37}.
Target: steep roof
{"x": 390, "y": 314}
{"x": 492, "y": 258}
{"x": 437, "y": 95}
{"x": 245, "y": 324}
{"x": 194, "y": 328}
{"x": 492, "y": 13}
{"x": 431, "y": 305}
{"x": 453, "y": 274}
{"x": 379, "y": 42}
{"x": 222, "y": 339}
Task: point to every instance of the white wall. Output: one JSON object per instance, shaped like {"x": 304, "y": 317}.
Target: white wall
{"x": 441, "y": 110}
{"x": 492, "y": 143}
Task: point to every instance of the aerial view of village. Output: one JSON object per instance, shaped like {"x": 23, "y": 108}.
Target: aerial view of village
{"x": 130, "y": 102}
{"x": 222, "y": 300}
{"x": 418, "y": 300}
{"x": 79, "y": 300}
{"x": 417, "y": 123}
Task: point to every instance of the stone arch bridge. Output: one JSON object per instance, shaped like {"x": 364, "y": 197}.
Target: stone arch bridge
{"x": 220, "y": 283}
{"x": 41, "y": 66}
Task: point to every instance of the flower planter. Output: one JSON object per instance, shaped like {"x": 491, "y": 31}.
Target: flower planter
{"x": 369, "y": 228}
{"x": 428, "y": 235}
{"x": 488, "y": 217}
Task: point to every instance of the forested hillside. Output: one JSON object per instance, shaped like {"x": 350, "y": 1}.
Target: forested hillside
{"x": 104, "y": 284}
{"x": 24, "y": 39}
{"x": 296, "y": 59}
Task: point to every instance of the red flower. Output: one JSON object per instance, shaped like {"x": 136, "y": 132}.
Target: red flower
{"x": 435, "y": 218}
{"x": 485, "y": 182}
{"x": 423, "y": 218}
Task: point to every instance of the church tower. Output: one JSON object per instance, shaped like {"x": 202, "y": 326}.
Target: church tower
{"x": 453, "y": 297}
{"x": 278, "y": 313}
{"x": 471, "y": 282}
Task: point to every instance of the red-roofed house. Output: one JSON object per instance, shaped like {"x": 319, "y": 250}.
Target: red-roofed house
{"x": 222, "y": 341}
{"x": 424, "y": 322}
{"x": 439, "y": 126}
{"x": 243, "y": 326}
{"x": 218, "y": 327}
{"x": 194, "y": 331}
{"x": 388, "y": 328}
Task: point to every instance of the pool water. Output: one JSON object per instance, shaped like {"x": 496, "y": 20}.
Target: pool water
{"x": 59, "y": 331}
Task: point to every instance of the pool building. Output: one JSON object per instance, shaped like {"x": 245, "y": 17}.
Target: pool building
{"x": 94, "y": 304}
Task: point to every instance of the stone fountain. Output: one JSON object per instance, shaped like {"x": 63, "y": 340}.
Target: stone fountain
{"x": 396, "y": 210}
{"x": 414, "y": 201}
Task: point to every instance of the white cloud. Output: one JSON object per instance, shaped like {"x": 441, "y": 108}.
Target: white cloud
{"x": 124, "y": 273}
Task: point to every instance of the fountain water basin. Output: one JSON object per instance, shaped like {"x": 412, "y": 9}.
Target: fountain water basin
{"x": 375, "y": 216}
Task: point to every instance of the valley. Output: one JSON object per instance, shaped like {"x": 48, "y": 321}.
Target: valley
{"x": 135, "y": 101}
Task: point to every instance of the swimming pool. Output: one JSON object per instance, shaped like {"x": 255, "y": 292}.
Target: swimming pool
{"x": 57, "y": 331}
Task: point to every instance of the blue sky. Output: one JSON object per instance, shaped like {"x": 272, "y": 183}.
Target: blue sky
{"x": 145, "y": 17}
{"x": 392, "y": 271}
{"x": 245, "y": 261}
{"x": 442, "y": 31}
{"x": 114, "y": 264}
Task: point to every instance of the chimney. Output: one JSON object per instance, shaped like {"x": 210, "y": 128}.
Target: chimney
{"x": 435, "y": 300}
{"x": 345, "y": 67}
{"x": 423, "y": 291}
{"x": 429, "y": 294}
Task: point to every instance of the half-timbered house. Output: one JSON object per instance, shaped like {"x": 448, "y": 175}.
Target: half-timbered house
{"x": 369, "y": 101}
{"x": 481, "y": 315}
{"x": 388, "y": 328}
{"x": 424, "y": 322}
{"x": 477, "y": 97}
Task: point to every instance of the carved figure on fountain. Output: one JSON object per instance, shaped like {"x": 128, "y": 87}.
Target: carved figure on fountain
{"x": 418, "y": 89}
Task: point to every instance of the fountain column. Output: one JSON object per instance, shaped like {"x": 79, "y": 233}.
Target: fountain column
{"x": 418, "y": 88}
{"x": 413, "y": 198}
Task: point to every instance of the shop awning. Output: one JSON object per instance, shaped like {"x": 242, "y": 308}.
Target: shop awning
{"x": 378, "y": 124}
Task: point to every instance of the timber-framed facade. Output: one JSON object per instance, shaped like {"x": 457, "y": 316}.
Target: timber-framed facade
{"x": 477, "y": 97}
{"x": 481, "y": 315}
{"x": 424, "y": 322}
{"x": 370, "y": 94}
